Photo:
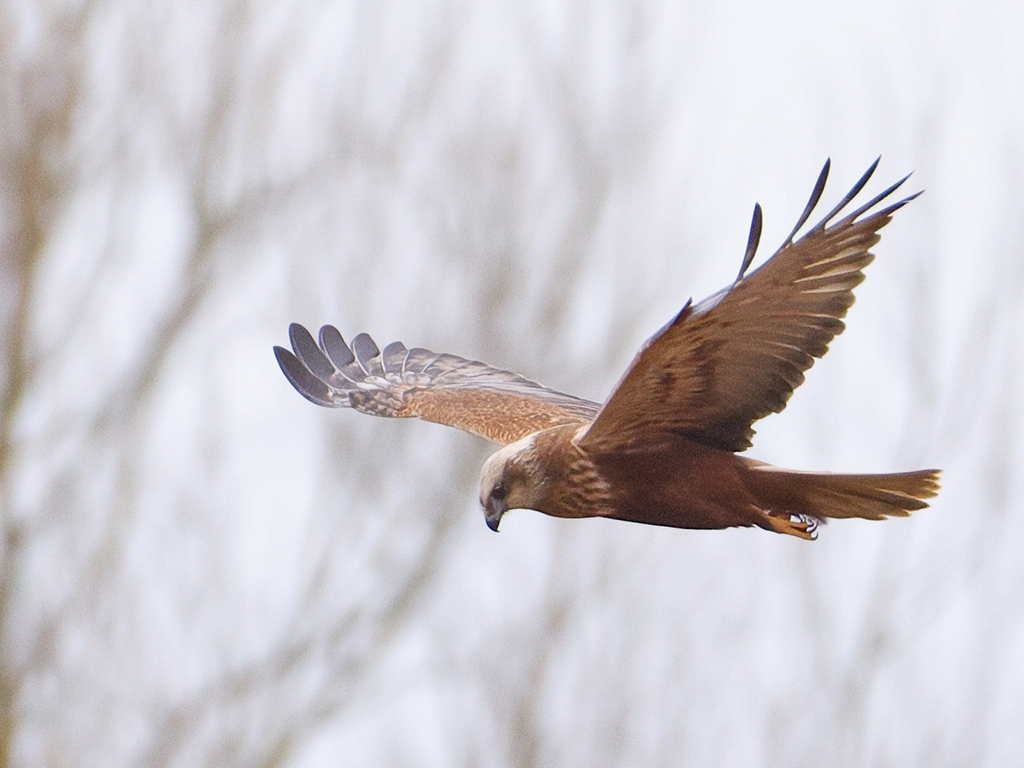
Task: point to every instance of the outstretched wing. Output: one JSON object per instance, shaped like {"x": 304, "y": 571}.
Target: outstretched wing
{"x": 399, "y": 382}
{"x": 721, "y": 365}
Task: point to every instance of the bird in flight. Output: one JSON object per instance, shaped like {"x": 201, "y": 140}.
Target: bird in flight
{"x": 663, "y": 448}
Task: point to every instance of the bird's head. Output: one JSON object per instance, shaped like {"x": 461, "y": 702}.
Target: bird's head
{"x": 510, "y": 479}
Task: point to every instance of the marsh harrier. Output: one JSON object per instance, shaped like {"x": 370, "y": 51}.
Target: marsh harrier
{"x": 663, "y": 447}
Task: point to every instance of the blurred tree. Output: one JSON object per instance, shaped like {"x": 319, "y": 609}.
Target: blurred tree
{"x": 198, "y": 567}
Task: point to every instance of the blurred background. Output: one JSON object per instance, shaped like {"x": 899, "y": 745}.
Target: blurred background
{"x": 198, "y": 567}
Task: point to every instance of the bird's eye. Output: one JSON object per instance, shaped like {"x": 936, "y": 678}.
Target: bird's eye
{"x": 499, "y": 492}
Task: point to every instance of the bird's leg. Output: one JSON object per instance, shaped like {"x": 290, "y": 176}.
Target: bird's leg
{"x": 803, "y": 526}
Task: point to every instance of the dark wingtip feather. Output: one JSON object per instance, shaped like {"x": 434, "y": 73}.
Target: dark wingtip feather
{"x": 309, "y": 353}
{"x": 812, "y": 202}
{"x": 365, "y": 350}
{"x": 851, "y": 194}
{"x": 753, "y": 239}
{"x": 880, "y": 197}
{"x": 888, "y": 211}
{"x": 300, "y": 339}
{"x": 295, "y": 335}
{"x": 307, "y": 385}
{"x": 332, "y": 342}
{"x": 393, "y": 357}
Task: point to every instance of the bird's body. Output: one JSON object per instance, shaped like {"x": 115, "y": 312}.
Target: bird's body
{"x": 662, "y": 450}
{"x": 674, "y": 482}
{"x": 682, "y": 484}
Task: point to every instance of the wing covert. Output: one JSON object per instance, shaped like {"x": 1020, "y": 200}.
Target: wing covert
{"x": 400, "y": 383}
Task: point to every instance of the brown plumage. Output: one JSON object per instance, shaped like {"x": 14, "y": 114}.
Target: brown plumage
{"x": 662, "y": 449}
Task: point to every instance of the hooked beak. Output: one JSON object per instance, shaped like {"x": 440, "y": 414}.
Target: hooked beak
{"x": 493, "y": 512}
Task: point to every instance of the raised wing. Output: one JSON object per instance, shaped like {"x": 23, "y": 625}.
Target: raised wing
{"x": 399, "y": 382}
{"x": 721, "y": 365}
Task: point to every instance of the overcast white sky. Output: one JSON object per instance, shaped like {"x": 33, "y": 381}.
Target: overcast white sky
{"x": 201, "y": 568}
